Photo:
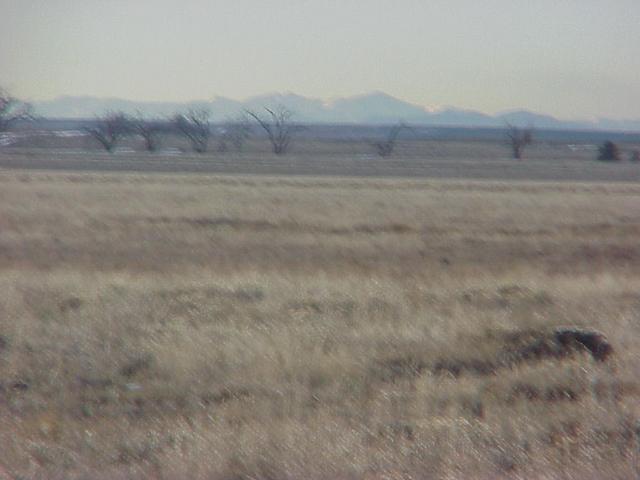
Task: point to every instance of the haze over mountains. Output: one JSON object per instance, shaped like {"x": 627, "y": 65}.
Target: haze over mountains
{"x": 376, "y": 108}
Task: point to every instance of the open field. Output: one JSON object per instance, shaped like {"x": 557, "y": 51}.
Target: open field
{"x": 261, "y": 327}
{"x": 557, "y": 159}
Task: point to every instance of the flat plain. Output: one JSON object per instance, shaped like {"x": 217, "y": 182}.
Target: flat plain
{"x": 351, "y": 157}
{"x": 285, "y": 326}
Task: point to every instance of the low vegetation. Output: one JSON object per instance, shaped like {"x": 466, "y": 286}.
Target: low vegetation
{"x": 265, "y": 328}
{"x": 608, "y": 152}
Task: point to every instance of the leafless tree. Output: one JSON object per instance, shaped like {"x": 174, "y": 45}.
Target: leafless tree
{"x": 235, "y": 133}
{"x": 149, "y": 129}
{"x": 385, "y": 148}
{"x": 12, "y": 110}
{"x": 278, "y": 126}
{"x": 110, "y": 129}
{"x": 194, "y": 124}
{"x": 518, "y": 138}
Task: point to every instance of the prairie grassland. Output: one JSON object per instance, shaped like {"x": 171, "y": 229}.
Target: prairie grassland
{"x": 201, "y": 327}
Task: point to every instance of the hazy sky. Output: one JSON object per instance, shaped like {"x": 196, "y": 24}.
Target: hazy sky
{"x": 569, "y": 58}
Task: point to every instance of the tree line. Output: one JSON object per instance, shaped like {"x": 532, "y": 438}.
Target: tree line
{"x": 195, "y": 126}
{"x": 278, "y": 124}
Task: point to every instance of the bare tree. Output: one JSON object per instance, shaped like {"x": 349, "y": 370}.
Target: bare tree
{"x": 149, "y": 130}
{"x": 110, "y": 129}
{"x": 12, "y": 110}
{"x": 385, "y": 147}
{"x": 235, "y": 133}
{"x": 278, "y": 126}
{"x": 195, "y": 126}
{"x": 518, "y": 138}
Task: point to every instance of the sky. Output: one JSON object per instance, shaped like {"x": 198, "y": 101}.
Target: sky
{"x": 574, "y": 59}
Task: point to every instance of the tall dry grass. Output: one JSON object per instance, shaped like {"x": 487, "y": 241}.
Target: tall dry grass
{"x": 242, "y": 327}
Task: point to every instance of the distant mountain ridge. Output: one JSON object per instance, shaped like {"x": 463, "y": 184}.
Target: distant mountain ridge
{"x": 377, "y": 108}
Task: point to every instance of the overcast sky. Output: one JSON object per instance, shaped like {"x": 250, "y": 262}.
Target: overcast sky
{"x": 569, "y": 58}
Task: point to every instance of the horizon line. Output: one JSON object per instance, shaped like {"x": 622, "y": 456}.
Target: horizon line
{"x": 326, "y": 103}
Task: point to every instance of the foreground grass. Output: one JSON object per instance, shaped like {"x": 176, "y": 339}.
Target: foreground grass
{"x": 203, "y": 327}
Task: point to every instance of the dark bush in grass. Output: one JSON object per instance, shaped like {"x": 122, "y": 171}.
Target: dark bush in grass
{"x": 608, "y": 152}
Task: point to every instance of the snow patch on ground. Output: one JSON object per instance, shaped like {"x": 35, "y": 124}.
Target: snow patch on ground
{"x": 69, "y": 133}
{"x": 7, "y": 139}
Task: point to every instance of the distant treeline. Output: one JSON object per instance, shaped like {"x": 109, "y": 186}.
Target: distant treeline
{"x": 352, "y": 132}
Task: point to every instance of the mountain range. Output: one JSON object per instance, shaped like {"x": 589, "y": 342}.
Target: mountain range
{"x": 375, "y": 108}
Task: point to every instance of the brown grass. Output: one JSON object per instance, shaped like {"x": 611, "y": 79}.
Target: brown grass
{"x": 269, "y": 328}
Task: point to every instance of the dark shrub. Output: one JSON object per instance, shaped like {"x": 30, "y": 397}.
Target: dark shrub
{"x": 608, "y": 152}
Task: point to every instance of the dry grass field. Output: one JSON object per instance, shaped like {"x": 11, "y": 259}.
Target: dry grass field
{"x": 175, "y": 326}
{"x": 354, "y": 156}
